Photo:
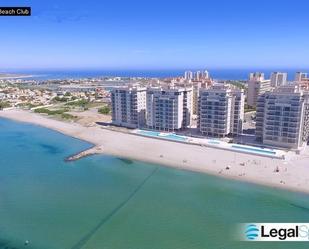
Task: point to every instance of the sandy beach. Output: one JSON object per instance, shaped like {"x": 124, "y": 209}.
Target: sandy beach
{"x": 293, "y": 172}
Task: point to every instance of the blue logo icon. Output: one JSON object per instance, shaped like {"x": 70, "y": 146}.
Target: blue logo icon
{"x": 252, "y": 232}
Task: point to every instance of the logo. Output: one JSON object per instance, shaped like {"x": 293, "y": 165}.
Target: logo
{"x": 252, "y": 232}
{"x": 274, "y": 232}
{"x": 15, "y": 11}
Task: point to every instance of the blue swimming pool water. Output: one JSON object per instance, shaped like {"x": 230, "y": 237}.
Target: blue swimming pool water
{"x": 157, "y": 134}
{"x": 213, "y": 142}
{"x": 248, "y": 149}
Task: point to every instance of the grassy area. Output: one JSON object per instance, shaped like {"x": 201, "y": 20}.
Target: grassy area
{"x": 94, "y": 104}
{"x": 79, "y": 103}
{"x": 28, "y": 105}
{"x": 67, "y": 116}
{"x": 4, "y": 104}
{"x": 104, "y": 110}
{"x": 50, "y": 112}
{"x": 83, "y": 103}
{"x": 59, "y": 112}
{"x": 61, "y": 99}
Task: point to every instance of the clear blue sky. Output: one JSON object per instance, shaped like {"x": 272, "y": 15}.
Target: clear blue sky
{"x": 156, "y": 34}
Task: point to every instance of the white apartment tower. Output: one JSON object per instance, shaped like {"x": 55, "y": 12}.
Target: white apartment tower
{"x": 206, "y": 74}
{"x": 257, "y": 76}
{"x": 196, "y": 92}
{"x": 221, "y": 110}
{"x": 128, "y": 106}
{"x": 188, "y": 75}
{"x": 169, "y": 109}
{"x": 256, "y": 85}
{"x": 197, "y": 76}
{"x": 282, "y": 118}
{"x": 278, "y": 79}
{"x": 300, "y": 76}
{"x": 187, "y": 107}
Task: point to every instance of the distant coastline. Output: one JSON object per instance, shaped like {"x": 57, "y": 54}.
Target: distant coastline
{"x": 218, "y": 74}
{"x": 14, "y": 76}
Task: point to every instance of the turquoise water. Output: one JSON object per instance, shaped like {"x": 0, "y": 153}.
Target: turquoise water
{"x": 102, "y": 202}
{"x": 169, "y": 136}
{"x": 258, "y": 151}
{"x": 213, "y": 142}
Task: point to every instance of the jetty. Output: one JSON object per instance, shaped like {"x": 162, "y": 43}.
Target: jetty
{"x": 89, "y": 152}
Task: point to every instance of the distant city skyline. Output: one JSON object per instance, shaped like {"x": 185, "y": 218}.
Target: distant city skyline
{"x": 156, "y": 35}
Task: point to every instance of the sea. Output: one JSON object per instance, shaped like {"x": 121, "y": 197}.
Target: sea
{"x": 105, "y": 202}
{"x": 218, "y": 74}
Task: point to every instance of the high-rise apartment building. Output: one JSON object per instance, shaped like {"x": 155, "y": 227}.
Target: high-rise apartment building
{"x": 196, "y": 76}
{"x": 188, "y": 75}
{"x": 257, "y": 76}
{"x": 282, "y": 118}
{"x": 278, "y": 79}
{"x": 196, "y": 93}
{"x": 128, "y": 106}
{"x": 221, "y": 110}
{"x": 169, "y": 109}
{"x": 256, "y": 85}
{"x": 206, "y": 74}
{"x": 300, "y": 76}
{"x": 187, "y": 107}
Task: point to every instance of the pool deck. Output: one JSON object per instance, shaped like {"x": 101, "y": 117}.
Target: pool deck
{"x": 214, "y": 143}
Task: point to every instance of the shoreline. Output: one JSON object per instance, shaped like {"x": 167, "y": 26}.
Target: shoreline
{"x": 8, "y": 77}
{"x": 293, "y": 174}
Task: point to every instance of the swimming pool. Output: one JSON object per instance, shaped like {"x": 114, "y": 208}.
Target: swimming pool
{"x": 168, "y": 136}
{"x": 214, "y": 142}
{"x": 253, "y": 150}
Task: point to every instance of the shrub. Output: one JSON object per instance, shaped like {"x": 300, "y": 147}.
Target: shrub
{"x": 81, "y": 102}
{"x": 59, "y": 99}
{"x": 4, "y": 104}
{"x": 49, "y": 112}
{"x": 104, "y": 110}
{"x": 67, "y": 116}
